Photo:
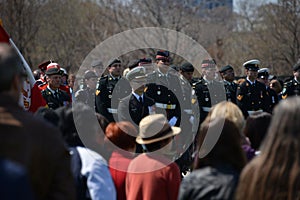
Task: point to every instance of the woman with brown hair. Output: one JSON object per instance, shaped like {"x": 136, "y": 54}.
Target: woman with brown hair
{"x": 219, "y": 161}
{"x": 275, "y": 173}
{"x": 120, "y": 135}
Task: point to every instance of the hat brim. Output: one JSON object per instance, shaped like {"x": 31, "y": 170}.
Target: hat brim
{"x": 175, "y": 131}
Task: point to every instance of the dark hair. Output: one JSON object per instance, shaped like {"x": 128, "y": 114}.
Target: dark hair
{"x": 121, "y": 134}
{"x": 275, "y": 173}
{"x": 256, "y": 128}
{"x": 67, "y": 126}
{"x": 10, "y": 66}
{"x": 227, "y": 149}
{"x": 48, "y": 114}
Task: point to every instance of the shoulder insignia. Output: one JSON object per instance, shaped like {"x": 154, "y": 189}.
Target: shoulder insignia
{"x": 97, "y": 92}
{"x": 284, "y": 96}
{"x": 145, "y": 89}
{"x": 193, "y": 101}
{"x": 239, "y": 97}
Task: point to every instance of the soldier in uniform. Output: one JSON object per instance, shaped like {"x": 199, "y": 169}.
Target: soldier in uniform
{"x": 87, "y": 95}
{"x": 54, "y": 96}
{"x": 111, "y": 89}
{"x": 271, "y": 95}
{"x": 209, "y": 90}
{"x": 137, "y": 105}
{"x": 227, "y": 74}
{"x": 251, "y": 94}
{"x": 292, "y": 87}
{"x": 165, "y": 89}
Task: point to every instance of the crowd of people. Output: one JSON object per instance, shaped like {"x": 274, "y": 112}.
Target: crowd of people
{"x": 151, "y": 131}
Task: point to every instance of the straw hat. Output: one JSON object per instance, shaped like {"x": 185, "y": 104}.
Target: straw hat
{"x": 154, "y": 128}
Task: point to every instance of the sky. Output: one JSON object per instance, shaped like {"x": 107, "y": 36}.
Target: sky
{"x": 236, "y": 2}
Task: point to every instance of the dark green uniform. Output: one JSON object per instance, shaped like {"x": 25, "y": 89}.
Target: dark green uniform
{"x": 108, "y": 94}
{"x": 208, "y": 94}
{"x": 252, "y": 97}
{"x": 291, "y": 88}
{"x": 54, "y": 101}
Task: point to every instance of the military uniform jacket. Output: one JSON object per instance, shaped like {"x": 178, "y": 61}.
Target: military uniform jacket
{"x": 108, "y": 94}
{"x": 251, "y": 97}
{"x": 86, "y": 96}
{"x": 131, "y": 109}
{"x": 53, "y": 102}
{"x": 208, "y": 94}
{"x": 167, "y": 94}
{"x": 272, "y": 99}
{"x": 230, "y": 89}
{"x": 291, "y": 88}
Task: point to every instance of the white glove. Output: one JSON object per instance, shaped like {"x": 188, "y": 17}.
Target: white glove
{"x": 173, "y": 121}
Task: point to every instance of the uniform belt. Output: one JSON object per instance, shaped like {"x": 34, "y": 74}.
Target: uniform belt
{"x": 188, "y": 111}
{"x": 206, "y": 109}
{"x": 112, "y": 110}
{"x": 165, "y": 106}
{"x": 250, "y": 112}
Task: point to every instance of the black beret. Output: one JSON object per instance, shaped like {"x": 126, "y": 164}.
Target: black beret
{"x": 225, "y": 68}
{"x": 113, "y": 61}
{"x": 187, "y": 67}
{"x": 296, "y": 67}
{"x": 162, "y": 54}
{"x": 145, "y": 61}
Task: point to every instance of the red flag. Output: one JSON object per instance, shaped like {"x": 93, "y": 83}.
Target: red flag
{"x": 3, "y": 35}
{"x": 25, "y": 99}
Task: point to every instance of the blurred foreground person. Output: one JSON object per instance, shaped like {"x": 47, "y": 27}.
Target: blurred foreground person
{"x": 121, "y": 136}
{"x": 217, "y": 165}
{"x": 152, "y": 175}
{"x": 79, "y": 126}
{"x": 233, "y": 113}
{"x": 29, "y": 141}
{"x": 275, "y": 173}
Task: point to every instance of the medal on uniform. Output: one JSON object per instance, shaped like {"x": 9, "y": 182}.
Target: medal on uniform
{"x": 158, "y": 92}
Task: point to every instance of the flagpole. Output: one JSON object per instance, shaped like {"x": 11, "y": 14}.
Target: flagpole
{"x": 28, "y": 69}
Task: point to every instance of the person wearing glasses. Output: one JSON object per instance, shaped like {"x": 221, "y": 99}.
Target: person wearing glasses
{"x": 87, "y": 95}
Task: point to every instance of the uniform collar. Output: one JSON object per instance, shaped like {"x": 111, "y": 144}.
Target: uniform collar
{"x": 251, "y": 81}
{"x": 138, "y": 96}
{"x": 114, "y": 78}
{"x": 52, "y": 91}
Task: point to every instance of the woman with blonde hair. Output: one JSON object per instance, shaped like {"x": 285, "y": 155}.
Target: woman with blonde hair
{"x": 275, "y": 173}
{"x": 232, "y": 112}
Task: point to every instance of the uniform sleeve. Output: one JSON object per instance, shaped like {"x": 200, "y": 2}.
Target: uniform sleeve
{"x": 240, "y": 99}
{"x": 98, "y": 100}
{"x": 100, "y": 183}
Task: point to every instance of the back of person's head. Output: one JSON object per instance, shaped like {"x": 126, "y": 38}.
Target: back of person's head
{"x": 276, "y": 85}
{"x": 67, "y": 126}
{"x": 256, "y": 128}
{"x": 228, "y": 110}
{"x": 219, "y": 142}
{"x": 10, "y": 67}
{"x": 275, "y": 173}
{"x": 121, "y": 134}
{"x": 48, "y": 114}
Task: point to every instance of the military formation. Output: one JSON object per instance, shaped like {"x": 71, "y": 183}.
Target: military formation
{"x": 149, "y": 86}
